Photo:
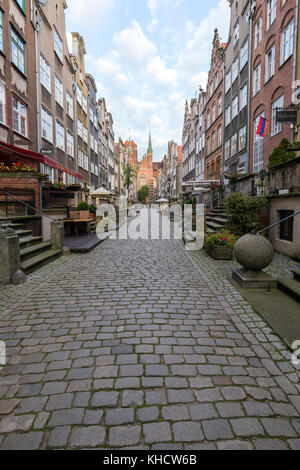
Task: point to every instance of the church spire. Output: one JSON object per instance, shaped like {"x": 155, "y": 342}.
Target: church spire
{"x": 150, "y": 150}
{"x": 129, "y": 147}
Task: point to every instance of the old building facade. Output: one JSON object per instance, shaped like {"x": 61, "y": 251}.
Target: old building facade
{"x": 214, "y": 112}
{"x": 200, "y": 137}
{"x": 81, "y": 107}
{"x": 18, "y": 110}
{"x": 237, "y": 90}
{"x": 55, "y": 95}
{"x": 272, "y": 69}
{"x": 93, "y": 131}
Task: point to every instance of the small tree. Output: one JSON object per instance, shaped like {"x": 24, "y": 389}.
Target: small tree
{"x": 129, "y": 175}
{"x": 143, "y": 193}
{"x": 281, "y": 154}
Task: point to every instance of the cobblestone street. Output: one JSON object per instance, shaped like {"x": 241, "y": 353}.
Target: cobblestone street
{"x": 142, "y": 345}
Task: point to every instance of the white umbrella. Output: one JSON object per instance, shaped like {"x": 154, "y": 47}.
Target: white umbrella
{"x": 162, "y": 200}
{"x": 101, "y": 192}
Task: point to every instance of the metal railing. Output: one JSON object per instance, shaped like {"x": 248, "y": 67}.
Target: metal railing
{"x": 31, "y": 207}
{"x": 277, "y": 223}
{"x": 14, "y": 207}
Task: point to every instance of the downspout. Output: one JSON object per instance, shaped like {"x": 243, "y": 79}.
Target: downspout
{"x": 223, "y": 126}
{"x": 37, "y": 76}
{"x": 295, "y": 55}
{"x": 75, "y": 116}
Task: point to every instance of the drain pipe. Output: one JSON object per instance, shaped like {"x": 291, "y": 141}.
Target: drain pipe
{"x": 295, "y": 54}
{"x": 249, "y": 126}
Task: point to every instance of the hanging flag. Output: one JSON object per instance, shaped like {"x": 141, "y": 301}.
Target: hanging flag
{"x": 262, "y": 127}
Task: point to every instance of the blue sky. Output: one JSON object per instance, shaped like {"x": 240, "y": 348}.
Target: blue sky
{"x": 148, "y": 57}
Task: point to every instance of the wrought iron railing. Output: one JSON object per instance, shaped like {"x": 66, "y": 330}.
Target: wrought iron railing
{"x": 17, "y": 202}
{"x": 33, "y": 209}
{"x": 278, "y": 222}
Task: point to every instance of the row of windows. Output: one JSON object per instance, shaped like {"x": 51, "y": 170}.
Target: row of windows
{"x": 212, "y": 144}
{"x": 287, "y": 44}
{"x": 19, "y": 110}
{"x": 271, "y": 16}
{"x": 64, "y": 140}
{"x": 237, "y": 66}
{"x": 238, "y": 103}
{"x": 237, "y": 143}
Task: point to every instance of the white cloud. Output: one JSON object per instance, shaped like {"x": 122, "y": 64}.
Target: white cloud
{"x": 96, "y": 12}
{"x": 133, "y": 47}
{"x": 162, "y": 75}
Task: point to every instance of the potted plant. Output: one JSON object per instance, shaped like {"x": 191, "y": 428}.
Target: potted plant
{"x": 83, "y": 209}
{"x": 220, "y": 245}
{"x": 93, "y": 210}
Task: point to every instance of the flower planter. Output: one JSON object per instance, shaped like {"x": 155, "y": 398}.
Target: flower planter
{"x": 221, "y": 252}
{"x": 84, "y": 214}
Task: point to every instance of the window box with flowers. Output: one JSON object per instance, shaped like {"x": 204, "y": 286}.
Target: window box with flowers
{"x": 220, "y": 245}
{"x": 20, "y": 170}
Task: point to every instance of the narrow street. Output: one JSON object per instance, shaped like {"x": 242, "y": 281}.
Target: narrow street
{"x": 140, "y": 344}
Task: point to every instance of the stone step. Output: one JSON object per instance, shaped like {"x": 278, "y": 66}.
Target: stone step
{"x": 221, "y": 220}
{"x": 291, "y": 287}
{"x": 11, "y": 225}
{"x": 215, "y": 226}
{"x": 32, "y": 264}
{"x": 29, "y": 241}
{"x": 34, "y": 250}
{"x": 23, "y": 233}
{"x": 296, "y": 273}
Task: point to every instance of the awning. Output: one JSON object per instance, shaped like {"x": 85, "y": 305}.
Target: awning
{"x": 38, "y": 157}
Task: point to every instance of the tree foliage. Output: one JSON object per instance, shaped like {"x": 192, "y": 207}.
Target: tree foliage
{"x": 143, "y": 193}
{"x": 244, "y": 211}
{"x": 129, "y": 175}
{"x": 281, "y": 154}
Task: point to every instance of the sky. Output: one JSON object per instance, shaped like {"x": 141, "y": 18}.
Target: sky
{"x": 148, "y": 57}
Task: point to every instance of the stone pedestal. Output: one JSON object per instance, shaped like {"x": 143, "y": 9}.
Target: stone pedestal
{"x": 10, "y": 258}
{"x": 253, "y": 279}
{"x": 57, "y": 236}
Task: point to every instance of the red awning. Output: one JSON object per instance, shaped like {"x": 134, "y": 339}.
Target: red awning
{"x": 38, "y": 157}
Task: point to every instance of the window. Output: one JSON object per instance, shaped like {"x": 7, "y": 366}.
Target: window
{"x": 19, "y": 116}
{"x": 214, "y": 113}
{"x": 84, "y": 104}
{"x": 58, "y": 45}
{"x": 208, "y": 120}
{"x": 235, "y": 107}
{"x": 243, "y": 96}
{"x": 79, "y": 95}
{"x": 258, "y": 31}
{"x": 213, "y": 141}
{"x": 70, "y": 144}
{"x": 59, "y": 91}
{"x": 17, "y": 51}
{"x": 208, "y": 145}
{"x": 2, "y": 103}
{"x": 244, "y": 55}
{"x": 228, "y": 81}
{"x": 256, "y": 80}
{"x": 270, "y": 63}
{"x": 79, "y": 128}
{"x": 1, "y": 32}
{"x": 286, "y": 227}
{"x": 236, "y": 32}
{"x": 69, "y": 100}
{"x": 219, "y": 105}
{"x": 227, "y": 149}
{"x": 60, "y": 136}
{"x": 287, "y": 41}
{"x": 21, "y": 4}
{"x": 80, "y": 158}
{"x": 45, "y": 73}
{"x": 47, "y": 125}
{"x": 276, "y": 126}
{"x": 48, "y": 170}
{"x": 219, "y": 137}
{"x": 242, "y": 138}
{"x": 234, "y": 147}
{"x": 227, "y": 115}
{"x": 85, "y": 134}
{"x": 216, "y": 80}
{"x": 271, "y": 12}
{"x": 85, "y": 162}
{"x": 235, "y": 69}
{"x": 258, "y": 145}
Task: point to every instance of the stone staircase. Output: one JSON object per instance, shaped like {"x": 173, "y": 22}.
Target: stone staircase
{"x": 34, "y": 252}
{"x": 216, "y": 220}
{"x": 291, "y": 287}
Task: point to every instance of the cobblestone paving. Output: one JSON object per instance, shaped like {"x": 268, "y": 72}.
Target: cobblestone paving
{"x": 140, "y": 344}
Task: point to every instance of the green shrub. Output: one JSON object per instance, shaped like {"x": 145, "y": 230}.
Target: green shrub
{"x": 223, "y": 238}
{"x": 92, "y": 209}
{"x": 82, "y": 206}
{"x": 281, "y": 154}
{"x": 244, "y": 211}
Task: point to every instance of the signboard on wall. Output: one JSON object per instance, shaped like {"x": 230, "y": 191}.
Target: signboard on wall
{"x": 286, "y": 115}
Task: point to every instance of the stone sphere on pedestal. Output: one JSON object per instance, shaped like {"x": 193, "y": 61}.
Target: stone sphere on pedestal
{"x": 253, "y": 252}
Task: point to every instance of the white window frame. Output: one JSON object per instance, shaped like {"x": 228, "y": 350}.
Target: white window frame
{"x": 228, "y": 81}
{"x": 235, "y": 107}
{"x": 244, "y": 55}
{"x": 287, "y": 42}
{"x": 227, "y": 115}
{"x": 60, "y": 136}
{"x": 1, "y": 30}
{"x": 271, "y": 12}
{"x": 70, "y": 144}
{"x": 257, "y": 79}
{"x": 236, "y": 32}
{"x": 258, "y": 31}
{"x": 258, "y": 148}
{"x": 45, "y": 73}
{"x": 234, "y": 141}
{"x": 58, "y": 45}
{"x": 20, "y": 119}
{"x": 46, "y": 125}
{"x": 59, "y": 91}
{"x": 18, "y": 50}
{"x": 276, "y": 127}
{"x": 242, "y": 143}
{"x": 243, "y": 96}
{"x": 70, "y": 105}
{"x": 235, "y": 69}
{"x": 2, "y": 103}
{"x": 270, "y": 63}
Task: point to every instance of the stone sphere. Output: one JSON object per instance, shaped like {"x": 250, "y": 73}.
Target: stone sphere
{"x": 253, "y": 252}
